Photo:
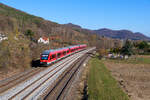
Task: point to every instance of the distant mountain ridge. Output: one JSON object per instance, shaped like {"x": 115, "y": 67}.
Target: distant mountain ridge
{"x": 121, "y": 34}
{"x": 115, "y": 34}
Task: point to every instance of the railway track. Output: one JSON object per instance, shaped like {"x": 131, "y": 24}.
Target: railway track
{"x": 60, "y": 89}
{"x": 16, "y": 79}
{"x": 38, "y": 84}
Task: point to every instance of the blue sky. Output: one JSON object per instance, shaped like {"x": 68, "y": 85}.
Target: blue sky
{"x": 93, "y": 14}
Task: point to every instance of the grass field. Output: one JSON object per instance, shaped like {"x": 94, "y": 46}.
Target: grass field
{"x": 101, "y": 85}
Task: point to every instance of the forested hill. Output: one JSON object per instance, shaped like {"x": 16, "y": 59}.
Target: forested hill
{"x": 12, "y": 19}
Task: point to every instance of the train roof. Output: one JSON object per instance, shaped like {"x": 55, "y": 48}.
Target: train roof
{"x": 53, "y": 50}
{"x": 60, "y": 49}
{"x": 46, "y": 52}
{"x": 73, "y": 46}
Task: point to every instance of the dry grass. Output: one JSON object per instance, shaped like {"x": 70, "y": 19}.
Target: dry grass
{"x": 5, "y": 73}
{"x": 133, "y": 78}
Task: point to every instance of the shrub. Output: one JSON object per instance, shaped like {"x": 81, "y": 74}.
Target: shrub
{"x": 102, "y": 52}
{"x": 29, "y": 33}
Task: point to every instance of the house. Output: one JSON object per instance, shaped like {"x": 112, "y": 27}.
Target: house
{"x": 43, "y": 40}
{"x": 3, "y": 37}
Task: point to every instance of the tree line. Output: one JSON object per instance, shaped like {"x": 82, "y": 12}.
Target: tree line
{"x": 129, "y": 48}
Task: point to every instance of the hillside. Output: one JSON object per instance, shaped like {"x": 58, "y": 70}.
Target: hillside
{"x": 23, "y": 31}
{"x": 13, "y": 21}
{"x": 121, "y": 34}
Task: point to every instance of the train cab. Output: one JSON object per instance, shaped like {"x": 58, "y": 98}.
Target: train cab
{"x": 45, "y": 57}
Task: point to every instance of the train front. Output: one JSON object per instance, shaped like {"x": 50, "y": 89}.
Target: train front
{"x": 44, "y": 59}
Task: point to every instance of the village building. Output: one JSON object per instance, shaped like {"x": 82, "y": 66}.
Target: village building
{"x": 43, "y": 40}
{"x": 3, "y": 37}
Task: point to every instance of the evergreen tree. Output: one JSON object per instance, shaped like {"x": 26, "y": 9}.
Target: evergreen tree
{"x": 127, "y": 48}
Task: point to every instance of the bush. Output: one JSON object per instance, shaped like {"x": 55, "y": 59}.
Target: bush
{"x": 29, "y": 33}
{"x": 4, "y": 54}
{"x": 15, "y": 53}
{"x": 102, "y": 52}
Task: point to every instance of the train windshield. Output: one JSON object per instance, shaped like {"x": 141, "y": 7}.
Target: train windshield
{"x": 44, "y": 57}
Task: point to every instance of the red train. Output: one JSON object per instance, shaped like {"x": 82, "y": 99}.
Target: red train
{"x": 53, "y": 55}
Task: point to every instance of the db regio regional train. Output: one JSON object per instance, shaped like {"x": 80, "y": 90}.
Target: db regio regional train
{"x": 51, "y": 56}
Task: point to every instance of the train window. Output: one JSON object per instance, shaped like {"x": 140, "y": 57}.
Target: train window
{"x": 53, "y": 56}
{"x": 67, "y": 51}
{"x": 64, "y": 53}
{"x": 44, "y": 57}
{"x": 58, "y": 55}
